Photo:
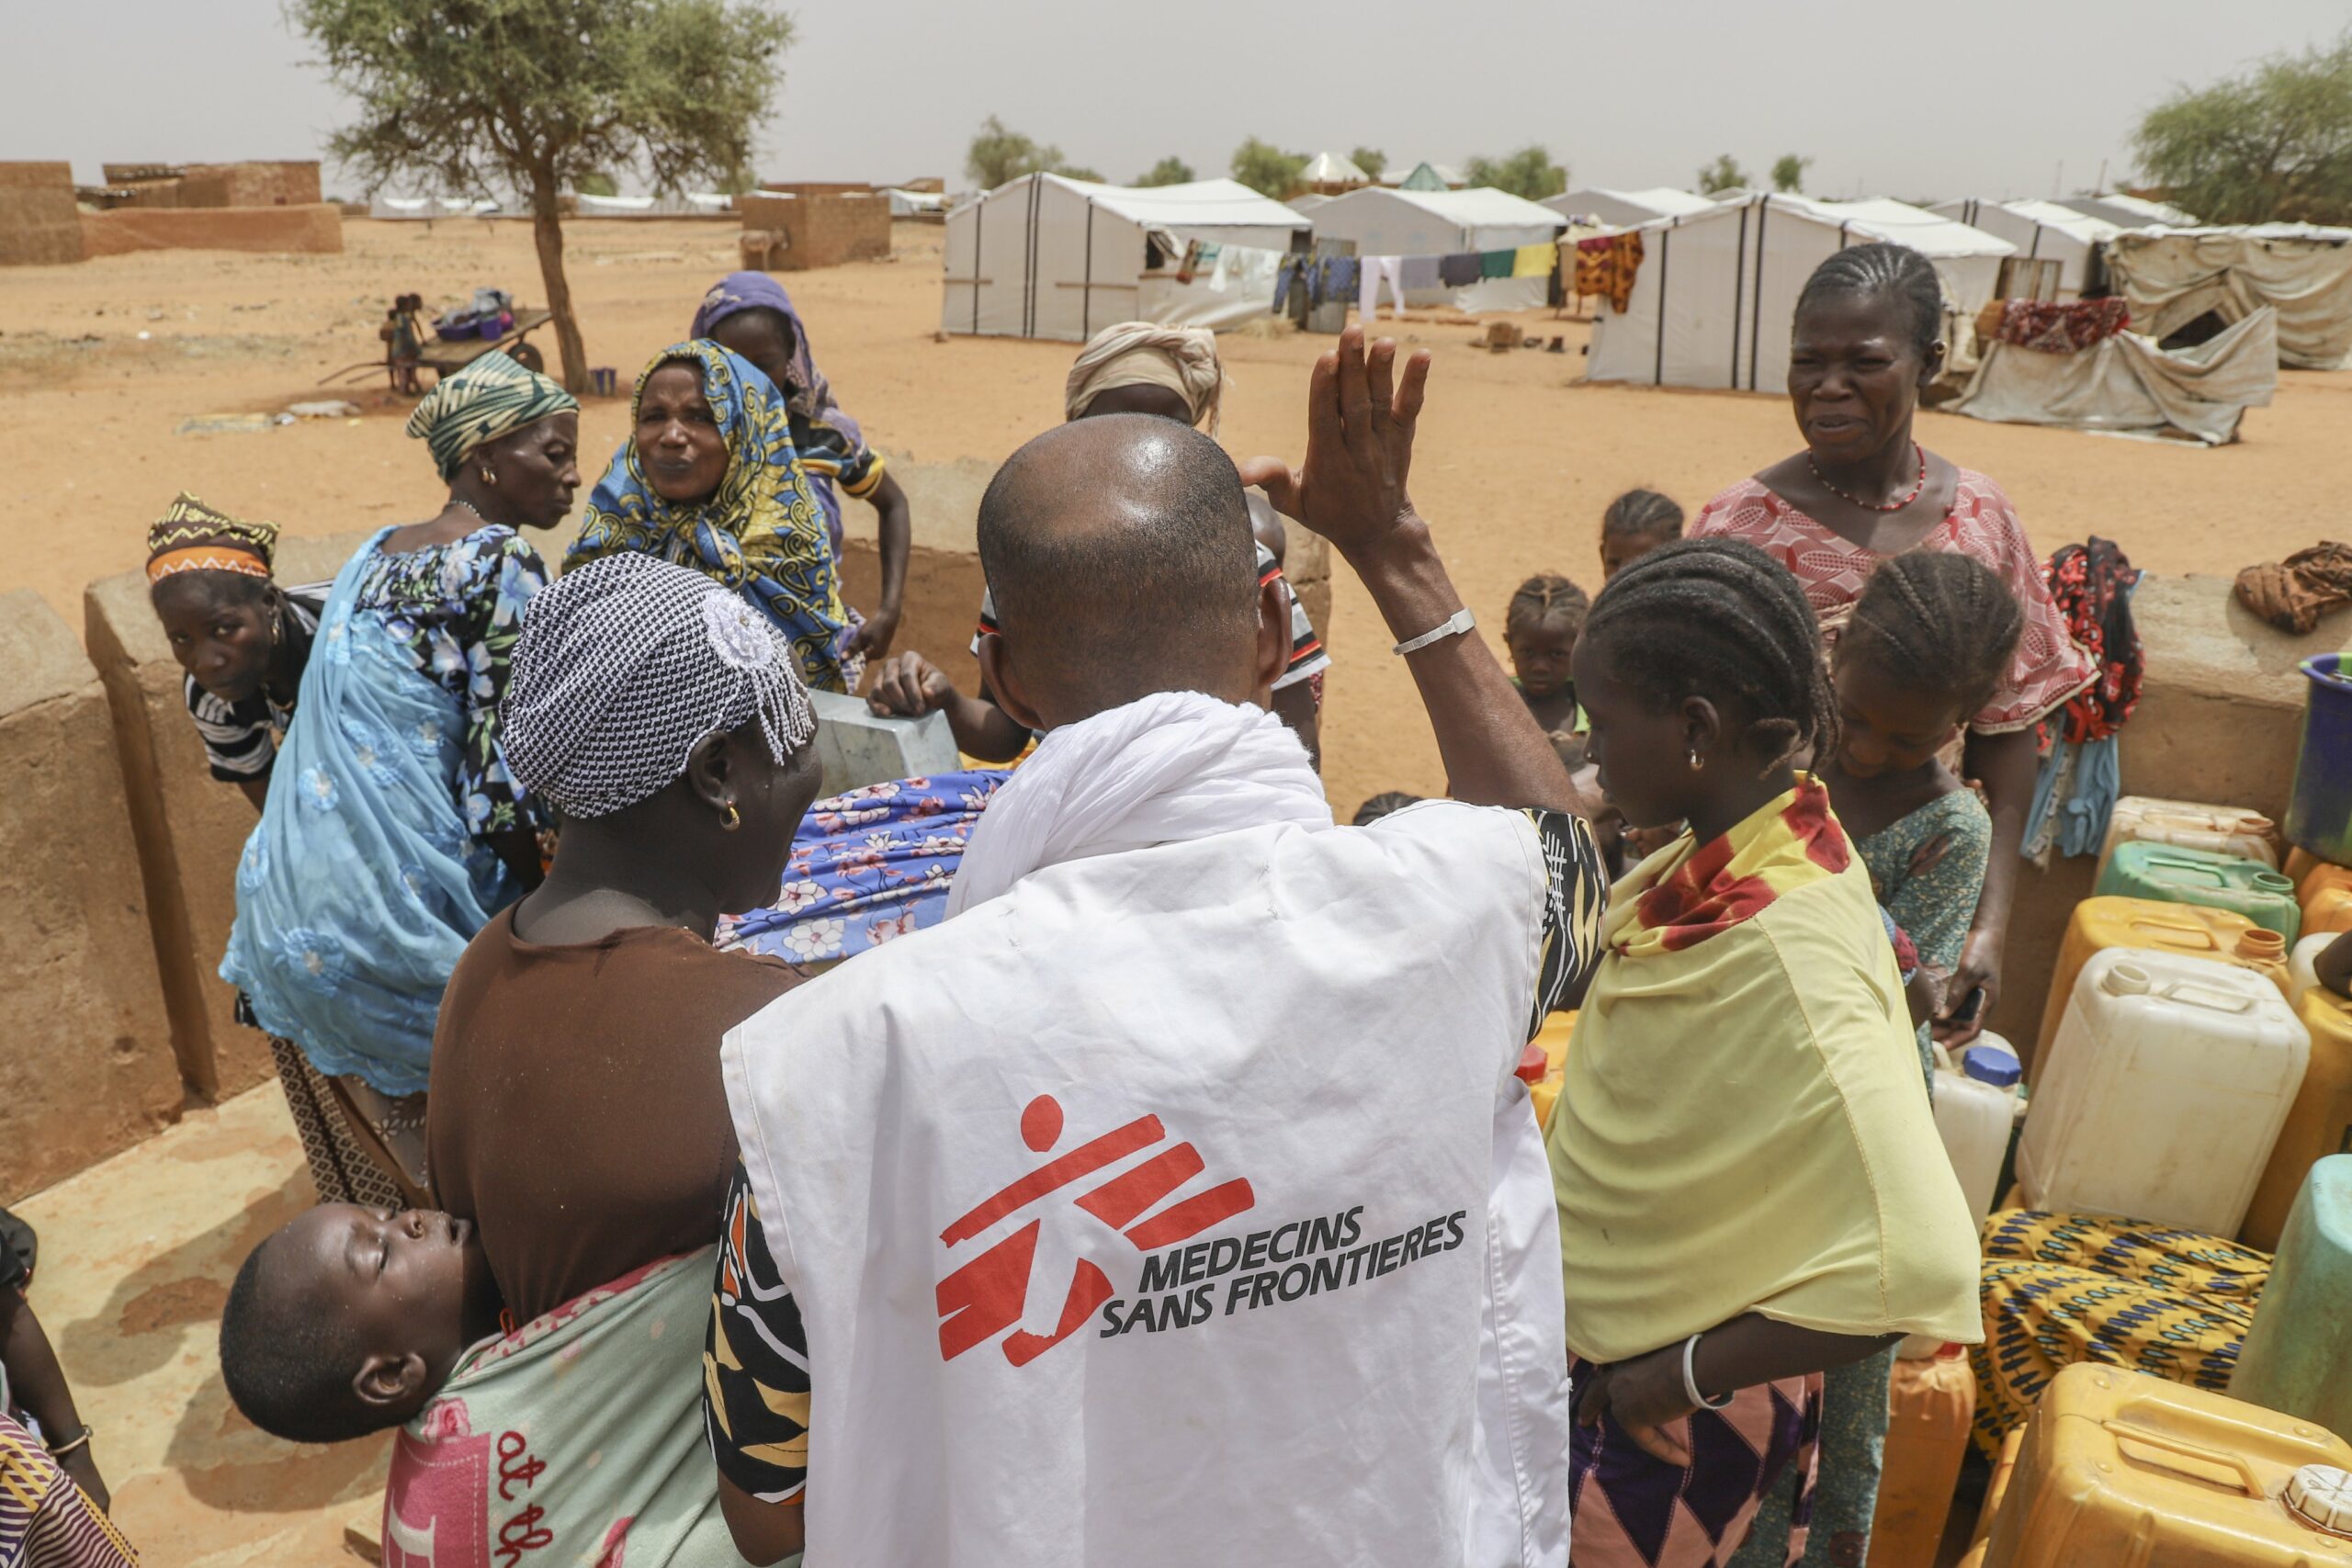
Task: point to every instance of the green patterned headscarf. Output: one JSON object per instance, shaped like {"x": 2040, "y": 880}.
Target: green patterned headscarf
{"x": 484, "y": 402}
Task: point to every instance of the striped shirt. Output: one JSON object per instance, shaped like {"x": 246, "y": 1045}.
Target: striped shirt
{"x": 241, "y": 738}
{"x": 46, "y": 1521}
{"x": 1307, "y": 656}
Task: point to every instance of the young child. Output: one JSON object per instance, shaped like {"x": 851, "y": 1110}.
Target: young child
{"x": 348, "y": 1319}
{"x": 32, "y": 1385}
{"x": 1635, "y": 523}
{"x": 1930, "y": 639}
{"x": 1751, "y": 1189}
{"x": 1540, "y": 631}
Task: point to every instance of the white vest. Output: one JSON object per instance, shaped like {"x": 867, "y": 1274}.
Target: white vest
{"x": 1179, "y": 1206}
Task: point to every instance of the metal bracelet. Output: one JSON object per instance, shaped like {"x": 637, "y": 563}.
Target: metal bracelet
{"x": 1690, "y": 1379}
{"x": 61, "y": 1450}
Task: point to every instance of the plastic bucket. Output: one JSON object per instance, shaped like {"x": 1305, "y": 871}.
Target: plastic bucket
{"x": 2319, "y": 816}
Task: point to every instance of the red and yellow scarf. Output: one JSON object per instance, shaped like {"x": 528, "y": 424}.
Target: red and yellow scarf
{"x": 1689, "y": 891}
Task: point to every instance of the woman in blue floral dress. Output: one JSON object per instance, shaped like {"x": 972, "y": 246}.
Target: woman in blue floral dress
{"x": 392, "y": 829}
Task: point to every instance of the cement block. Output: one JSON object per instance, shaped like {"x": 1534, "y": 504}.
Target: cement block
{"x": 857, "y": 748}
{"x": 189, "y": 828}
{"x": 2220, "y": 720}
{"x": 86, "y": 1069}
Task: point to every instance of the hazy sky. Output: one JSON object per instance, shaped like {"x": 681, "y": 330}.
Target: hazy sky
{"x": 1892, "y": 97}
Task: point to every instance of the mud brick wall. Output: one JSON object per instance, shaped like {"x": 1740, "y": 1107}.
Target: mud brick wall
{"x": 821, "y": 229}
{"x": 86, "y": 1052}
{"x": 39, "y": 225}
{"x": 262, "y": 184}
{"x": 314, "y": 230}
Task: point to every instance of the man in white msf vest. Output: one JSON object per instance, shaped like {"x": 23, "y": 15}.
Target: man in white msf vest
{"x": 1177, "y": 1200}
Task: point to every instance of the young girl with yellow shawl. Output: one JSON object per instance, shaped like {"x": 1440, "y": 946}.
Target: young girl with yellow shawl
{"x": 1751, "y": 1189}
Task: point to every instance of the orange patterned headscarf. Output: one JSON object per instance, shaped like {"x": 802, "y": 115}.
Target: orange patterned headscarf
{"x": 192, "y": 536}
{"x": 1687, "y": 893}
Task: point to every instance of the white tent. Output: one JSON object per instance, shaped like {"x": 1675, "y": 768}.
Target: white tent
{"x": 2041, "y": 231}
{"x": 1444, "y": 223}
{"x": 1623, "y": 209}
{"x": 2128, "y": 211}
{"x": 1712, "y": 303}
{"x": 1306, "y": 202}
{"x": 1045, "y": 257}
{"x": 1331, "y": 169}
{"x": 2174, "y": 275}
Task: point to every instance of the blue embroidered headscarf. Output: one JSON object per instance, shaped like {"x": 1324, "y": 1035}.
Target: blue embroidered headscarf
{"x": 760, "y": 533}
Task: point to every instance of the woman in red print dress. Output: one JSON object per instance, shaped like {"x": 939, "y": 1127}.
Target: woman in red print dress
{"x": 1865, "y": 342}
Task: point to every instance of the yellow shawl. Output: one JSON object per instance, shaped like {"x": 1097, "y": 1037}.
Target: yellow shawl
{"x": 1741, "y": 1126}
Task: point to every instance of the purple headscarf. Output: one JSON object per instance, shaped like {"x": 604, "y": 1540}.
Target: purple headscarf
{"x": 807, "y": 396}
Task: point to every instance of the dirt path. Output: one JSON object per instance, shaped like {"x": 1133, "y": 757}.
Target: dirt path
{"x": 1515, "y": 464}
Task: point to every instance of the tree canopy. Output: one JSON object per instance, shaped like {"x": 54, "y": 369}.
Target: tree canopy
{"x": 533, "y": 97}
{"x": 1528, "y": 172}
{"x": 1267, "y": 169}
{"x": 1788, "y": 172}
{"x": 1371, "y": 159}
{"x": 1169, "y": 171}
{"x": 1724, "y": 174}
{"x": 998, "y": 153}
{"x": 2273, "y": 143}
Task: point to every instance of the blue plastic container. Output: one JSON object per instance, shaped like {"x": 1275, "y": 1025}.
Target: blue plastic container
{"x": 2319, "y": 816}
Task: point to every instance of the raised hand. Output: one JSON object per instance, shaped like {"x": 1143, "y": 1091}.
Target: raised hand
{"x": 1361, "y": 416}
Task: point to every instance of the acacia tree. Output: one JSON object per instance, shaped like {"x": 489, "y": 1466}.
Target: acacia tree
{"x": 2273, "y": 143}
{"x": 1169, "y": 171}
{"x": 1267, "y": 169}
{"x": 1724, "y": 173}
{"x": 1528, "y": 172}
{"x": 1371, "y": 159}
{"x": 1788, "y": 173}
{"x": 533, "y": 97}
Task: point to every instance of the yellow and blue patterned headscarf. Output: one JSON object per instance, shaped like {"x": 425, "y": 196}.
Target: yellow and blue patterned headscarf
{"x": 484, "y": 402}
{"x": 760, "y": 533}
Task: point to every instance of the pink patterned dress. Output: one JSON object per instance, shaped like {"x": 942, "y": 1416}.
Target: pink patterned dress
{"x": 2048, "y": 667}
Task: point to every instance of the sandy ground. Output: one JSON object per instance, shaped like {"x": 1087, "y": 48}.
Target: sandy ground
{"x": 1516, "y": 460}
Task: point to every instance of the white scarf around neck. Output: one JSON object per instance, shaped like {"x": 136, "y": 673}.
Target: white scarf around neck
{"x": 1167, "y": 768}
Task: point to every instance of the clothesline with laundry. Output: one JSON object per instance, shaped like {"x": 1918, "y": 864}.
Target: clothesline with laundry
{"x": 1604, "y": 265}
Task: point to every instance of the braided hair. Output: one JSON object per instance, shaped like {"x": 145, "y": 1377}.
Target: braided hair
{"x": 1719, "y": 619}
{"x": 1945, "y": 624}
{"x": 1641, "y": 513}
{"x": 1881, "y": 268}
{"x": 1546, "y": 596}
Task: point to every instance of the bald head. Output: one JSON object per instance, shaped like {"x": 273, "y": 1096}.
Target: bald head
{"x": 1119, "y": 553}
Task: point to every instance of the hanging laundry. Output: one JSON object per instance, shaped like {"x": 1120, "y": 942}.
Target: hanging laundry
{"x": 1368, "y": 296}
{"x": 1421, "y": 272}
{"x": 1459, "y": 270}
{"x": 1606, "y": 266}
{"x": 1249, "y": 271}
{"x": 1496, "y": 263}
{"x": 1214, "y": 254}
{"x": 2052, "y": 327}
{"x": 1291, "y": 273}
{"x": 1535, "y": 261}
{"x": 1337, "y": 277}
{"x": 1189, "y": 262}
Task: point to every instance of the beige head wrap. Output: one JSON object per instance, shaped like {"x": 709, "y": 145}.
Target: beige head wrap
{"x": 1142, "y": 354}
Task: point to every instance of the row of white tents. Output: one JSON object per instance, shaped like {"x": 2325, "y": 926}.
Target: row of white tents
{"x": 1052, "y": 257}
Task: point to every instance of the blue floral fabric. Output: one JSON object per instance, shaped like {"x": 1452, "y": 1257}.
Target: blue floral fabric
{"x": 868, "y": 866}
{"x": 367, "y": 873}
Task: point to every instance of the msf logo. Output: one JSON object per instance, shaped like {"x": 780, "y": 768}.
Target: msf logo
{"x": 985, "y": 1295}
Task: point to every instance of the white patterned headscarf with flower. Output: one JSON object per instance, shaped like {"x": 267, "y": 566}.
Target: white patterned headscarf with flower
{"x": 623, "y": 666}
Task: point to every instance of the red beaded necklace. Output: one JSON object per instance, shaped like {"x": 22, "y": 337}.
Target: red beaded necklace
{"x": 1871, "y": 506}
